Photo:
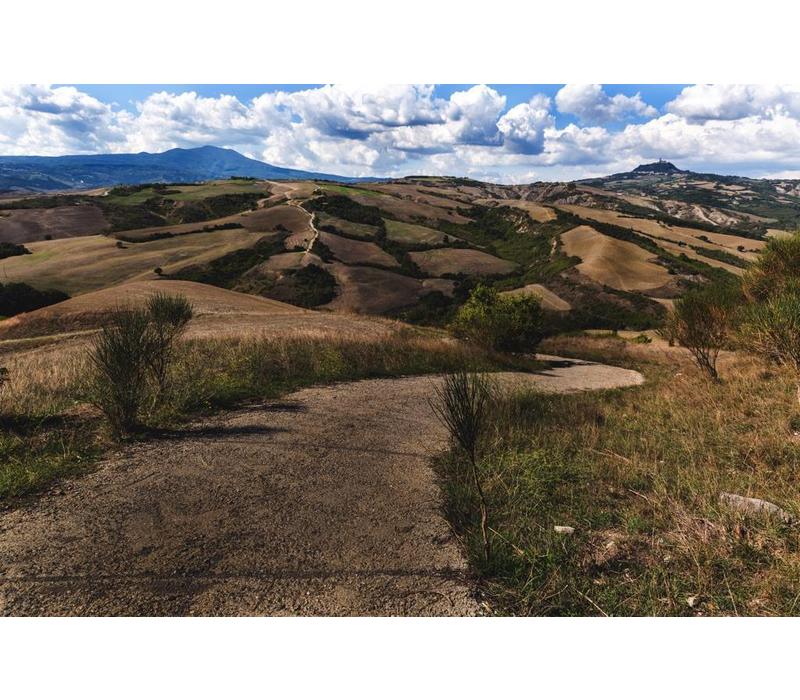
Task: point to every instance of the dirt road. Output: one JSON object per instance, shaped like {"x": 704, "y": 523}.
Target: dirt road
{"x": 323, "y": 503}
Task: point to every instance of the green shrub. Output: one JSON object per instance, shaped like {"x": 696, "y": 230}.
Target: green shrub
{"x": 120, "y": 357}
{"x": 463, "y": 404}
{"x": 507, "y": 323}
{"x": 777, "y": 267}
{"x": 131, "y": 357}
{"x": 169, "y": 316}
{"x": 771, "y": 328}
{"x": 702, "y": 321}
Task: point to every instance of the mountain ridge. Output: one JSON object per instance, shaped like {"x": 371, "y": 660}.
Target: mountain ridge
{"x": 71, "y": 172}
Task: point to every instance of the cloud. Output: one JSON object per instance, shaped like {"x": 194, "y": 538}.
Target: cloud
{"x": 39, "y": 119}
{"x": 523, "y": 126}
{"x": 399, "y": 130}
{"x": 594, "y": 106}
{"x": 705, "y": 102}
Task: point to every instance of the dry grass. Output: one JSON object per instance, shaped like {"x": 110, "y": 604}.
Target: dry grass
{"x": 357, "y": 252}
{"x": 80, "y": 265}
{"x": 659, "y": 232}
{"x": 453, "y": 261}
{"x": 638, "y": 473}
{"x": 549, "y": 300}
{"x": 26, "y": 225}
{"x": 615, "y": 263}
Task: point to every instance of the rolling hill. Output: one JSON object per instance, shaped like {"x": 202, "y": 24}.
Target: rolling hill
{"x": 47, "y": 173}
{"x": 608, "y": 252}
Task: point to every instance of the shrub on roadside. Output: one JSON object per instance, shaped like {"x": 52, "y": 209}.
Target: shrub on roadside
{"x": 506, "y": 323}
{"x": 130, "y": 359}
{"x": 463, "y": 404}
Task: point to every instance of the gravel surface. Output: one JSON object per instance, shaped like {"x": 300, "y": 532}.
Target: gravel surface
{"x": 323, "y": 503}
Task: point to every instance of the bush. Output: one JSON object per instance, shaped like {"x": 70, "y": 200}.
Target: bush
{"x": 701, "y": 321}
{"x": 771, "y": 328}
{"x": 463, "y": 404}
{"x": 131, "y": 357}
{"x": 169, "y": 316}
{"x": 9, "y": 250}
{"x": 777, "y": 268}
{"x": 120, "y": 359}
{"x": 510, "y": 323}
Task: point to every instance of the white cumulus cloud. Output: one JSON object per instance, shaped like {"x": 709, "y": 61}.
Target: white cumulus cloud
{"x": 592, "y": 105}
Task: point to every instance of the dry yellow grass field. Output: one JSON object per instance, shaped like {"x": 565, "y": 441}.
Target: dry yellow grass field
{"x": 719, "y": 241}
{"x": 217, "y": 312}
{"x": 549, "y": 300}
{"x": 80, "y": 265}
{"x": 618, "y": 264}
{"x": 24, "y": 225}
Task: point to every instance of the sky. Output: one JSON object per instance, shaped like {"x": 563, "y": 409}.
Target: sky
{"x": 499, "y": 133}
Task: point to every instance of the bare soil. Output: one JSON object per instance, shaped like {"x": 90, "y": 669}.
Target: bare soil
{"x": 26, "y": 225}
{"x": 321, "y": 504}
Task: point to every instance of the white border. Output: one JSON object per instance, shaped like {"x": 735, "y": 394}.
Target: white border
{"x": 616, "y": 41}
{"x": 444, "y": 41}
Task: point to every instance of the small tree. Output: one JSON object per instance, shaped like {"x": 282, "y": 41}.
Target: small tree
{"x": 511, "y": 323}
{"x": 701, "y": 322}
{"x": 462, "y": 404}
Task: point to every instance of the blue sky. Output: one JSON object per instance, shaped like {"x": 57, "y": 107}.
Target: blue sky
{"x": 505, "y": 133}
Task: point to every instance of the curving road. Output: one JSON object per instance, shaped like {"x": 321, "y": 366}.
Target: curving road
{"x": 323, "y": 503}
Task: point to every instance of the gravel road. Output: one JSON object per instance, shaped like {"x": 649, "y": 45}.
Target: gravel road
{"x": 323, "y": 503}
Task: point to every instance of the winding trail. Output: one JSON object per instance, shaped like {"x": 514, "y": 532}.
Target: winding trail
{"x": 323, "y": 503}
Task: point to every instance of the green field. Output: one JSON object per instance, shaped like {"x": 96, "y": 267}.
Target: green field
{"x": 190, "y": 193}
{"x": 411, "y": 233}
{"x": 342, "y": 189}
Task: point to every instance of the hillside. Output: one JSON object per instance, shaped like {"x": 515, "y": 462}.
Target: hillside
{"x": 45, "y": 173}
{"x": 609, "y": 252}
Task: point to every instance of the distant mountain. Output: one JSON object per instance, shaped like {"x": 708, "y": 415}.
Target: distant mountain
{"x": 46, "y": 173}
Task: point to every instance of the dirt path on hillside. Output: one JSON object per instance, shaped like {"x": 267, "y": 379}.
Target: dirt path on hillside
{"x": 323, "y": 503}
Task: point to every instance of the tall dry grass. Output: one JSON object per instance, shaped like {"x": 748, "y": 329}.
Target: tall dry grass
{"x": 638, "y": 473}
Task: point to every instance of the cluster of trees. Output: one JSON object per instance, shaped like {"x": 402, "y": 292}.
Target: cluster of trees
{"x": 759, "y": 313}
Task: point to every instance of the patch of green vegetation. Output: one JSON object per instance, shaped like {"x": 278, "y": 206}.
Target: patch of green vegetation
{"x": 345, "y": 208}
{"x": 613, "y": 309}
{"x": 347, "y": 190}
{"x": 309, "y": 286}
{"x": 342, "y": 227}
{"x": 34, "y": 453}
{"x": 10, "y": 250}
{"x": 722, "y": 256}
{"x": 413, "y": 234}
{"x": 227, "y": 270}
{"x": 18, "y": 297}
